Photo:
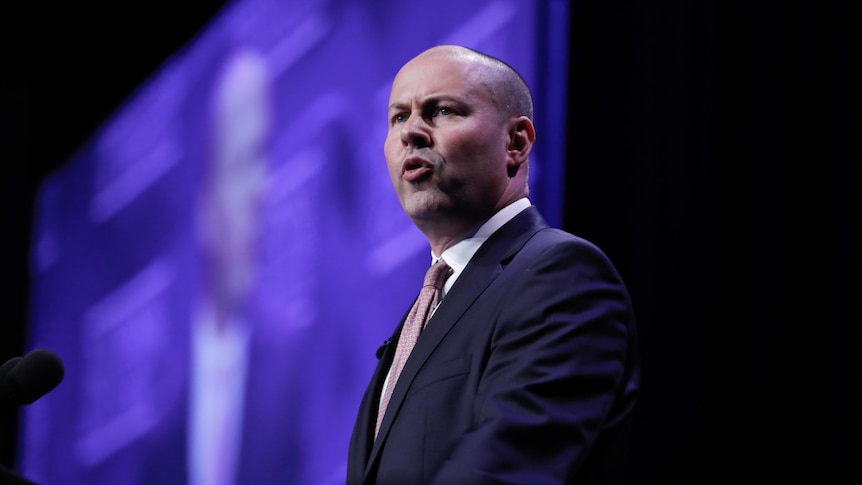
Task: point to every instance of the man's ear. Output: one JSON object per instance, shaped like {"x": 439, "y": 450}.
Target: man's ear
{"x": 522, "y": 135}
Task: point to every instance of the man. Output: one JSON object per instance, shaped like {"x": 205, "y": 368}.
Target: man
{"x": 527, "y": 370}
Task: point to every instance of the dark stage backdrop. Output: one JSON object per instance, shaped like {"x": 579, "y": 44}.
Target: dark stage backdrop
{"x": 219, "y": 263}
{"x": 714, "y": 152}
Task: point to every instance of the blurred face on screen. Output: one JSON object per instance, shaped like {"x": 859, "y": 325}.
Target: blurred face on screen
{"x": 236, "y": 181}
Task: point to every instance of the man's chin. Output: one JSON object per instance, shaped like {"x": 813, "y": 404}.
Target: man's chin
{"x": 424, "y": 206}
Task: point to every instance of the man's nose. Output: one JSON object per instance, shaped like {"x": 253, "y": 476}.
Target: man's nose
{"x": 415, "y": 132}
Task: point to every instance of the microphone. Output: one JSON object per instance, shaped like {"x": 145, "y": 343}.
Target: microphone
{"x": 5, "y": 368}
{"x": 383, "y": 348}
{"x": 23, "y": 380}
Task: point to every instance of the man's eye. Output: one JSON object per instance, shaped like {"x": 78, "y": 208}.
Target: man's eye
{"x": 443, "y": 111}
{"x": 399, "y": 118}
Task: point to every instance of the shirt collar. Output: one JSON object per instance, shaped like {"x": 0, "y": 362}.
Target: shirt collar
{"x": 459, "y": 254}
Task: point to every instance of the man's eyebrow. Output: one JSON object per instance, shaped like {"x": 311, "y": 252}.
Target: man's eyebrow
{"x": 397, "y": 106}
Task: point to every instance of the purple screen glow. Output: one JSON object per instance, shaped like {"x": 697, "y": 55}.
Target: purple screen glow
{"x": 219, "y": 264}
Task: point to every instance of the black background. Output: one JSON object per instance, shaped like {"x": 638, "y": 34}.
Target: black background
{"x": 713, "y": 153}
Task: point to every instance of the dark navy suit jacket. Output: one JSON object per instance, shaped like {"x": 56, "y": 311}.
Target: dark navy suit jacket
{"x": 527, "y": 373}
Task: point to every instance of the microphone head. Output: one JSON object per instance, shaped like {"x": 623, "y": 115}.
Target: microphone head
{"x": 7, "y": 367}
{"x": 34, "y": 375}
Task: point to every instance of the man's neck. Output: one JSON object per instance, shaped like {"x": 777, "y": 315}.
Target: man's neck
{"x": 443, "y": 240}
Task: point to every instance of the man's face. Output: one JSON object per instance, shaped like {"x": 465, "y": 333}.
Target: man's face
{"x": 237, "y": 173}
{"x": 446, "y": 148}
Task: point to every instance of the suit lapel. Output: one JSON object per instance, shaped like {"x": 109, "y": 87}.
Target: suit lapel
{"x": 485, "y": 266}
{"x": 367, "y": 415}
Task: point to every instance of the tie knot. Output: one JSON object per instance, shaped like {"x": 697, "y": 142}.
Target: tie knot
{"x": 437, "y": 274}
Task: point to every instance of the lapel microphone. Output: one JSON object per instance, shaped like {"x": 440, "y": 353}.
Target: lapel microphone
{"x": 382, "y": 349}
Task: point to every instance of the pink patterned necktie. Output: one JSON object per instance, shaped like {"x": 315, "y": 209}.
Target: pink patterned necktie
{"x": 413, "y": 325}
